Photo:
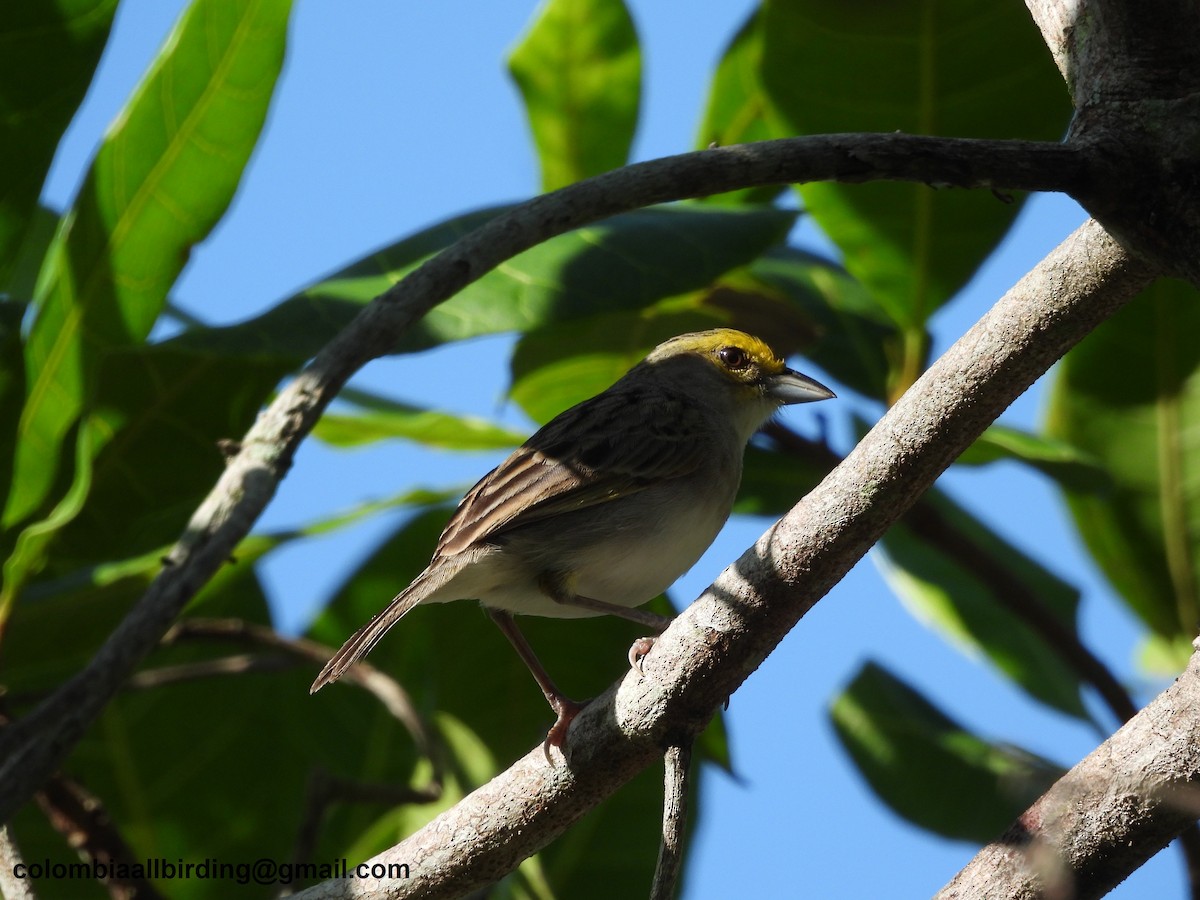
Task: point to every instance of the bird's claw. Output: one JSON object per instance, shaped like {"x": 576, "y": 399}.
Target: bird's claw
{"x": 566, "y": 709}
{"x": 638, "y": 651}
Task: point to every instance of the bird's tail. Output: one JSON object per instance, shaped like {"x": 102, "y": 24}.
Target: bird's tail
{"x": 360, "y": 644}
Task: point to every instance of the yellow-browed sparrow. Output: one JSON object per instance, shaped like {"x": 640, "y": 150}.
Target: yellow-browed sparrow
{"x": 608, "y": 503}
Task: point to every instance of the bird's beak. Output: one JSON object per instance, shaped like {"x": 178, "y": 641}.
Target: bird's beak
{"x": 791, "y": 387}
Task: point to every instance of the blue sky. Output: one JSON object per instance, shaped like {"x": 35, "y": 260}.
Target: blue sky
{"x": 391, "y": 116}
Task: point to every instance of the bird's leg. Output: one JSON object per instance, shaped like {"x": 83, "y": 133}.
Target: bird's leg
{"x": 641, "y": 616}
{"x": 554, "y": 588}
{"x": 558, "y": 592}
{"x": 564, "y": 707}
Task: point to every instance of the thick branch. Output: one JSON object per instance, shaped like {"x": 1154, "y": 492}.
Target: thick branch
{"x": 715, "y": 643}
{"x": 12, "y": 887}
{"x": 1134, "y": 74}
{"x": 1112, "y": 52}
{"x": 33, "y": 747}
{"x": 1102, "y": 820}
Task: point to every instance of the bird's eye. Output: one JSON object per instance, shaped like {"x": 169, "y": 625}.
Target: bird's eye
{"x": 733, "y": 357}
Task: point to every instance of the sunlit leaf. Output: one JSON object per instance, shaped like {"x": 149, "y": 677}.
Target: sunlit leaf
{"x": 1067, "y": 465}
{"x": 930, "y": 769}
{"x": 627, "y": 262}
{"x": 982, "y": 593}
{"x": 737, "y": 110}
{"x": 968, "y": 69}
{"x": 579, "y": 70}
{"x": 1129, "y": 396}
{"x": 164, "y": 175}
{"x": 383, "y": 419}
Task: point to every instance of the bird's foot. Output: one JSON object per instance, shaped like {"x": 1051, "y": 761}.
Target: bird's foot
{"x": 566, "y": 709}
{"x": 638, "y": 651}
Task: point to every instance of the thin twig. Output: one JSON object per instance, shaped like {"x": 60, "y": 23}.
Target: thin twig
{"x": 676, "y": 771}
{"x": 239, "y": 664}
{"x": 80, "y": 817}
{"x": 325, "y": 789}
{"x": 389, "y": 692}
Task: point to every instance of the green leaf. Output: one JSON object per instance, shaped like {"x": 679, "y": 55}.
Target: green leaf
{"x": 159, "y": 463}
{"x": 47, "y": 642}
{"x": 1129, "y": 396}
{"x": 12, "y": 387}
{"x": 964, "y": 580}
{"x": 564, "y": 363}
{"x": 61, "y": 622}
{"x": 160, "y": 181}
{"x": 737, "y": 106}
{"x": 626, "y": 262}
{"x": 854, "y": 342}
{"x": 970, "y": 69}
{"x": 930, "y": 769}
{"x": 1066, "y": 464}
{"x": 30, "y": 549}
{"x": 385, "y": 419}
{"x": 40, "y": 227}
{"x": 48, "y": 52}
{"x": 296, "y": 328}
{"x": 579, "y": 70}
{"x": 1161, "y": 657}
{"x": 773, "y": 482}
{"x": 797, "y": 303}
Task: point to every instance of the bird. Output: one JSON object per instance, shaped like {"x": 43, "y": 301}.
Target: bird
{"x": 606, "y": 505}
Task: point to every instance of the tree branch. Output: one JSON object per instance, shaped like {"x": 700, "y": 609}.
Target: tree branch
{"x": 387, "y": 690}
{"x": 677, "y": 767}
{"x": 80, "y": 817}
{"x": 12, "y": 887}
{"x": 714, "y": 644}
{"x": 326, "y": 789}
{"x": 1102, "y": 820}
{"x": 1133, "y": 70}
{"x": 1114, "y": 53}
{"x": 34, "y": 746}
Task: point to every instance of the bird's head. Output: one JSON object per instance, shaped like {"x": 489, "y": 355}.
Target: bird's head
{"x": 739, "y": 367}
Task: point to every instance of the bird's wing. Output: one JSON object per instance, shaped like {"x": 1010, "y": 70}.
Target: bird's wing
{"x": 583, "y": 457}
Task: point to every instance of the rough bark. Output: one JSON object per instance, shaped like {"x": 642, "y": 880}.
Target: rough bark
{"x": 1118, "y": 807}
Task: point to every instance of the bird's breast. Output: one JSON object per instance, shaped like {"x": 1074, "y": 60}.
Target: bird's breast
{"x": 625, "y": 552}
